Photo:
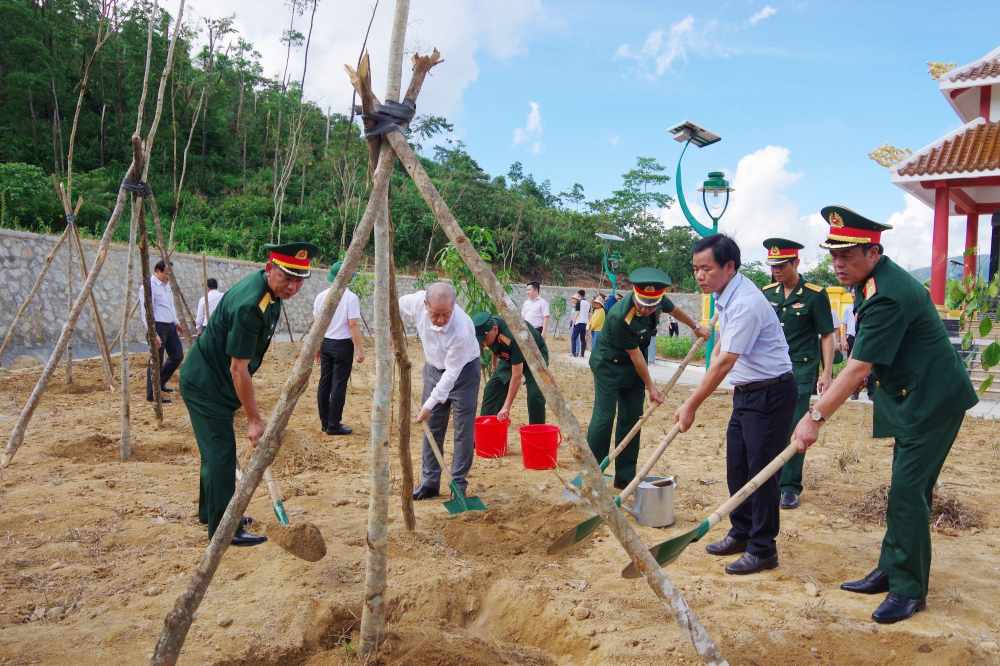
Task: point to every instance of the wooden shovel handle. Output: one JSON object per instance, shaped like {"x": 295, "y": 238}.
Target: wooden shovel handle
{"x": 272, "y": 487}
{"x": 434, "y": 447}
{"x": 753, "y": 484}
{"x": 664, "y": 443}
{"x": 666, "y": 389}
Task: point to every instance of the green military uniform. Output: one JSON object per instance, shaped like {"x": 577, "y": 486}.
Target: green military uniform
{"x": 616, "y": 381}
{"x": 805, "y": 315}
{"x": 508, "y": 354}
{"x": 922, "y": 392}
{"x": 241, "y": 327}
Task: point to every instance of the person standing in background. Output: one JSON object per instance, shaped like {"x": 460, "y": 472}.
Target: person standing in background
{"x": 578, "y": 325}
{"x": 340, "y": 347}
{"x": 535, "y": 310}
{"x": 850, "y": 327}
{"x": 672, "y": 327}
{"x": 596, "y": 322}
{"x": 168, "y": 329}
{"x": 837, "y": 340}
{"x": 214, "y": 296}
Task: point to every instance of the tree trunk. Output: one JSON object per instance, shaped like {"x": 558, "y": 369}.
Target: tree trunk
{"x": 69, "y": 308}
{"x": 592, "y": 478}
{"x": 405, "y": 396}
{"x": 126, "y": 415}
{"x": 147, "y": 299}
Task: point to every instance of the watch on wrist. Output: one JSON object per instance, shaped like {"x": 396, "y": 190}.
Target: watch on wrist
{"x": 816, "y": 416}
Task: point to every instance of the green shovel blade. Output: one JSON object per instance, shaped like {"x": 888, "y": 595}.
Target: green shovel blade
{"x": 668, "y": 551}
{"x": 279, "y": 512}
{"x": 575, "y": 535}
{"x": 461, "y": 503}
{"x": 578, "y": 481}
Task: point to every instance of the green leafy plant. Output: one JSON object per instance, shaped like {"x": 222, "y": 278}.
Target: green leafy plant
{"x": 557, "y": 310}
{"x": 363, "y": 285}
{"x": 677, "y": 347}
{"x": 977, "y": 299}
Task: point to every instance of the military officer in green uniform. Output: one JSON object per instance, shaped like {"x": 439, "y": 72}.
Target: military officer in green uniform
{"x": 804, "y": 311}
{"x": 509, "y": 369}
{"x": 216, "y": 377}
{"x": 618, "y": 362}
{"x": 922, "y": 392}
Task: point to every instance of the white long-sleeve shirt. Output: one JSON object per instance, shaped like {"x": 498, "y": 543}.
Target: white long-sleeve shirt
{"x": 449, "y": 348}
{"x": 201, "y": 319}
{"x": 163, "y": 302}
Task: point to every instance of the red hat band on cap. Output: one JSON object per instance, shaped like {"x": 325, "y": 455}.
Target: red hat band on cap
{"x": 298, "y": 262}
{"x": 649, "y": 293}
{"x": 782, "y": 253}
{"x": 852, "y": 235}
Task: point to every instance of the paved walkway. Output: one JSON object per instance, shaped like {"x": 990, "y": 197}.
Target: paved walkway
{"x": 664, "y": 370}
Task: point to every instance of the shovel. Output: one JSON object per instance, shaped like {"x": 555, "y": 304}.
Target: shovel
{"x": 668, "y": 551}
{"x": 570, "y": 495}
{"x": 461, "y": 503}
{"x": 303, "y": 540}
{"x": 581, "y": 532}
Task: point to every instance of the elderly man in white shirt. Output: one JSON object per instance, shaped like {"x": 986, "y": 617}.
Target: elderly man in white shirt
{"x": 753, "y": 352}
{"x": 168, "y": 329}
{"x": 535, "y": 310}
{"x": 341, "y": 342}
{"x": 451, "y": 380}
{"x": 204, "y": 312}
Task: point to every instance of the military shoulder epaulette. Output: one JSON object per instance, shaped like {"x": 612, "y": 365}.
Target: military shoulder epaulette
{"x": 773, "y": 284}
{"x": 813, "y": 287}
{"x": 630, "y": 316}
{"x": 504, "y": 339}
{"x": 265, "y": 301}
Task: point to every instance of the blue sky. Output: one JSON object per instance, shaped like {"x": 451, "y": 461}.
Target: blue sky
{"x": 799, "y": 91}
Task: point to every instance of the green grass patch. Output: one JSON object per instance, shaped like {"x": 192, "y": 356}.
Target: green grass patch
{"x": 676, "y": 347}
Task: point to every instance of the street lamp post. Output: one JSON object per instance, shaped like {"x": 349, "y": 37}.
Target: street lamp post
{"x": 716, "y": 185}
{"x": 611, "y": 259}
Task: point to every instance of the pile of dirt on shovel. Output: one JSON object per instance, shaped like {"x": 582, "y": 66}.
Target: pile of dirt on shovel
{"x": 303, "y": 540}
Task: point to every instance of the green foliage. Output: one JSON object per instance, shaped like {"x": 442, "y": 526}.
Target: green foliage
{"x": 469, "y": 290}
{"x": 557, "y": 310}
{"x": 26, "y": 197}
{"x": 977, "y": 296}
{"x": 823, "y": 273}
{"x": 677, "y": 347}
{"x": 757, "y": 274}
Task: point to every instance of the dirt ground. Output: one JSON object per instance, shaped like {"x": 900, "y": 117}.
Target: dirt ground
{"x": 93, "y": 552}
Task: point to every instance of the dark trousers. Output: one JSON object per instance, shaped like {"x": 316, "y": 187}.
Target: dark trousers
{"x": 213, "y": 430}
{"x": 175, "y": 354}
{"x": 673, "y": 330}
{"x": 539, "y": 328}
{"x": 462, "y": 403}
{"x": 758, "y": 430}
{"x": 495, "y": 394}
{"x": 336, "y": 358}
{"x": 791, "y": 472}
{"x": 578, "y": 339}
{"x": 906, "y": 547}
{"x": 628, "y": 402}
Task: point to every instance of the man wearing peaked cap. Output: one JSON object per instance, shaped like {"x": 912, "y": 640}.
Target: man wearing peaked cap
{"x": 618, "y": 362}
{"x": 804, "y": 311}
{"x": 340, "y": 348}
{"x": 922, "y": 392}
{"x": 509, "y": 369}
{"x": 216, "y": 379}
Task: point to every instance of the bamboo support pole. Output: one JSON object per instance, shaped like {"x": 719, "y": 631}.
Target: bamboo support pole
{"x": 126, "y": 414}
{"x": 204, "y": 283}
{"x": 69, "y": 308}
{"x": 592, "y": 478}
{"x": 118, "y": 336}
{"x": 284, "y": 312}
{"x": 404, "y": 366}
{"x": 175, "y": 288}
{"x": 178, "y": 620}
{"x": 31, "y": 294}
{"x": 147, "y": 296}
{"x": 102, "y": 340}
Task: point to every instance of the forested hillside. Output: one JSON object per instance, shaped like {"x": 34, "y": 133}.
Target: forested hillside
{"x": 232, "y": 168}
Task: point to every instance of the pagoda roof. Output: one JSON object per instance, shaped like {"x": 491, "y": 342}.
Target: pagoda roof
{"x": 961, "y": 86}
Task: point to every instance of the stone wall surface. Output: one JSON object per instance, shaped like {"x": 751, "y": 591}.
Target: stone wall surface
{"x": 22, "y": 256}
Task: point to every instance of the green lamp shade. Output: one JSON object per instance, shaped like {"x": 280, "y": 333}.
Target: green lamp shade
{"x": 716, "y": 184}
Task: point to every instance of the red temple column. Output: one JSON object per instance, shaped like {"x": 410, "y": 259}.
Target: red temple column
{"x": 971, "y": 241}
{"x": 939, "y": 246}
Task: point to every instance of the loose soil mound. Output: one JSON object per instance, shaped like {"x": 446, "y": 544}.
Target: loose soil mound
{"x": 303, "y": 540}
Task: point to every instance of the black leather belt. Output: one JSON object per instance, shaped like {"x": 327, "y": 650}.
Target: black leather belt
{"x": 763, "y": 384}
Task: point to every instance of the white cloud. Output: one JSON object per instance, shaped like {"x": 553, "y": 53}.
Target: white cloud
{"x": 459, "y": 29}
{"x": 662, "y": 48}
{"x": 763, "y": 14}
{"x": 532, "y": 130}
{"x": 615, "y": 139}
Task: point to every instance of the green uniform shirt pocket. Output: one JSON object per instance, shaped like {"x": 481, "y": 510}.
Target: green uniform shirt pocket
{"x": 898, "y": 388}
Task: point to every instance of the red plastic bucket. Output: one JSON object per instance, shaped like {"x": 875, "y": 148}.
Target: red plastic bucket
{"x": 490, "y": 436}
{"x": 540, "y": 445}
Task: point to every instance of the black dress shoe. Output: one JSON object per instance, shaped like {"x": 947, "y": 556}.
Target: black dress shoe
{"x": 621, "y": 485}
{"x": 162, "y": 400}
{"x": 425, "y": 492}
{"x": 339, "y": 429}
{"x": 876, "y": 582}
{"x": 789, "y": 501}
{"x": 241, "y": 538}
{"x": 749, "y": 564}
{"x": 897, "y": 607}
{"x": 166, "y": 389}
{"x": 727, "y": 546}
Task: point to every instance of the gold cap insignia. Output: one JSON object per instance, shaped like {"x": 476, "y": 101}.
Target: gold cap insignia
{"x": 836, "y": 221}
{"x": 301, "y": 254}
{"x": 775, "y": 251}
{"x": 650, "y": 289}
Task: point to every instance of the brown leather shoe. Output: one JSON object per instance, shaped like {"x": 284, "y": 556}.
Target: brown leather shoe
{"x": 728, "y": 546}
{"x": 749, "y": 564}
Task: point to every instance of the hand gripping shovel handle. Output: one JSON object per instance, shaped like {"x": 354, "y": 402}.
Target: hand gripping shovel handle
{"x": 753, "y": 484}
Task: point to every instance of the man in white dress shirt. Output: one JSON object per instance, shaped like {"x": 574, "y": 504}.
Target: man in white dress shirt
{"x": 451, "y": 380}
{"x": 341, "y": 346}
{"x": 753, "y": 352}
{"x": 168, "y": 329}
{"x": 535, "y": 310}
{"x": 214, "y": 296}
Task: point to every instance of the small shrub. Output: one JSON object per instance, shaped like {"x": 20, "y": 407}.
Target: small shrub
{"x": 676, "y": 347}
